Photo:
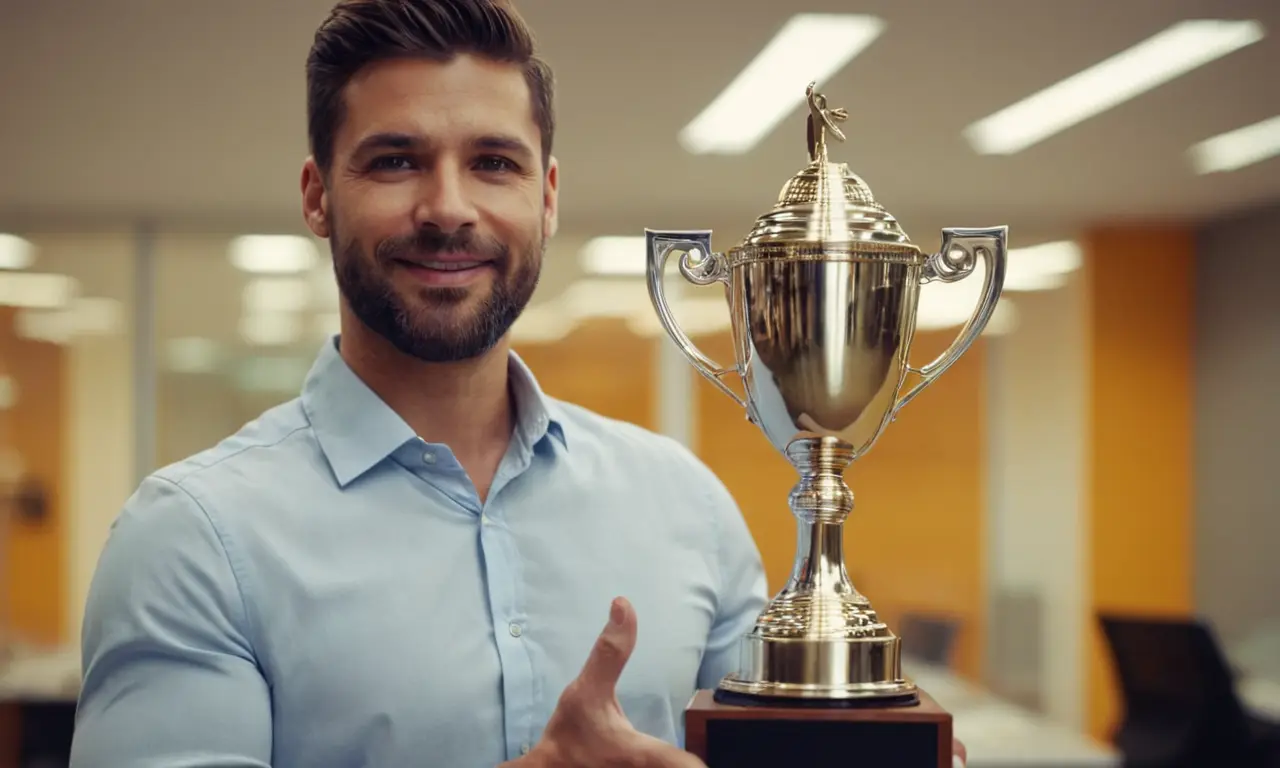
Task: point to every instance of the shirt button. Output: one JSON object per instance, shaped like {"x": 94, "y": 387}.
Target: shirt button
{"x": 515, "y": 629}
{"x": 429, "y": 457}
{"x": 524, "y": 749}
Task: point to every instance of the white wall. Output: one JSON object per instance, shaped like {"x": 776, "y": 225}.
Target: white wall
{"x": 1237, "y": 579}
{"x": 1036, "y": 516}
{"x": 98, "y": 415}
{"x": 99, "y": 457}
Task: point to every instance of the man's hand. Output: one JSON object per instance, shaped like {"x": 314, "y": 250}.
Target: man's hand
{"x": 588, "y": 728}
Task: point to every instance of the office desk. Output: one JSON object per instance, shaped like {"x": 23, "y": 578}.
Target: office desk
{"x": 998, "y": 733}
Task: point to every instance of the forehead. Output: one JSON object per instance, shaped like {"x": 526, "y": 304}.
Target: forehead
{"x": 459, "y": 98}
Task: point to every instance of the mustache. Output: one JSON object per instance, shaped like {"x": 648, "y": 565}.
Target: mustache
{"x": 430, "y": 242}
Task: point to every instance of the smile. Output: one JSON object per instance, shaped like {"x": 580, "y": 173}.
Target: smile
{"x": 444, "y": 273}
{"x": 449, "y": 266}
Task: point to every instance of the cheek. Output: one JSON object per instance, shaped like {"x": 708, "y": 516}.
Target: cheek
{"x": 387, "y": 200}
{"x": 518, "y": 219}
{"x": 371, "y": 213}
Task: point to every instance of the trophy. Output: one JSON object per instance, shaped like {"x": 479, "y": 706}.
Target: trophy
{"x": 822, "y": 296}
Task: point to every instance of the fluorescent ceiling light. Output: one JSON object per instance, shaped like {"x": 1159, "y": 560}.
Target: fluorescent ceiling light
{"x": 542, "y": 324}
{"x": 1169, "y": 54}
{"x": 82, "y": 317}
{"x": 809, "y": 47}
{"x": 276, "y": 375}
{"x": 276, "y": 294}
{"x": 273, "y": 254}
{"x": 192, "y": 354}
{"x": 1236, "y": 149}
{"x": 96, "y": 316}
{"x": 603, "y": 298}
{"x": 327, "y": 325}
{"x": 270, "y": 328}
{"x": 1041, "y": 267}
{"x": 15, "y": 252}
{"x": 950, "y": 305}
{"x": 324, "y": 290}
{"x": 34, "y": 290}
{"x": 619, "y": 256}
{"x": 614, "y": 255}
{"x": 45, "y": 325}
{"x": 698, "y": 317}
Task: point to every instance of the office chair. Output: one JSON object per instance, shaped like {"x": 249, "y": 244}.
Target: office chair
{"x": 1180, "y": 704}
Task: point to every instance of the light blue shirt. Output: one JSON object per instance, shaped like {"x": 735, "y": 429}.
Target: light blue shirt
{"x": 324, "y": 588}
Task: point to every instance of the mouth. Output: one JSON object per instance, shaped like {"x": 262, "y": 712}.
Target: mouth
{"x": 445, "y": 265}
{"x": 446, "y": 271}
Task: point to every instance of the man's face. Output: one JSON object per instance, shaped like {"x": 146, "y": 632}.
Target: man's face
{"x": 438, "y": 205}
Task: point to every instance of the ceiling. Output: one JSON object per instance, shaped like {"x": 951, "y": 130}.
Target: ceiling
{"x": 195, "y": 111}
{"x": 191, "y": 116}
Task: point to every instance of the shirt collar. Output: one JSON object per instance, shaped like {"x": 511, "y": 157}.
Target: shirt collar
{"x": 356, "y": 429}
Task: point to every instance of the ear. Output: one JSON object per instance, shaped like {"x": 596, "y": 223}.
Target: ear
{"x": 551, "y": 199}
{"x": 315, "y": 199}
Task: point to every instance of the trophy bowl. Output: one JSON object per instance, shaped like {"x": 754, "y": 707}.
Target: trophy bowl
{"x": 822, "y": 294}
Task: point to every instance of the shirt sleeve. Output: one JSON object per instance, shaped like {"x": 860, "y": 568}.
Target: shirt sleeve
{"x": 170, "y": 677}
{"x": 742, "y": 593}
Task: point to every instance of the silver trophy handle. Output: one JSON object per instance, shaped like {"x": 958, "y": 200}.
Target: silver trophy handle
{"x": 954, "y": 261}
{"x": 700, "y": 266}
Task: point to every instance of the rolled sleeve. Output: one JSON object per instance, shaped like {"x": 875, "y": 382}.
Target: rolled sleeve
{"x": 170, "y": 676}
{"x": 742, "y": 589}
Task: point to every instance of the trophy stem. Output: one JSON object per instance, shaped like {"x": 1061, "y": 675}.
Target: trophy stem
{"x": 820, "y": 558}
{"x": 819, "y": 639}
{"x": 821, "y": 502}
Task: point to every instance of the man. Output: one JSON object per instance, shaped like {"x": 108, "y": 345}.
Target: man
{"x": 410, "y": 563}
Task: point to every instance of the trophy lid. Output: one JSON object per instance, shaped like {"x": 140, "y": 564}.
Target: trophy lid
{"x": 826, "y": 203}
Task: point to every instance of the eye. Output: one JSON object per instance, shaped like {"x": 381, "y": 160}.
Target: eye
{"x": 391, "y": 163}
{"x": 495, "y": 164}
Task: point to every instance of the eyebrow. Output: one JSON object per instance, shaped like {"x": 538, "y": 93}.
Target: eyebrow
{"x": 503, "y": 143}
{"x": 378, "y": 141}
{"x": 407, "y": 141}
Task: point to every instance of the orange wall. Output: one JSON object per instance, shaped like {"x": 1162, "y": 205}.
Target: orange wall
{"x": 1141, "y": 325}
{"x": 33, "y": 565}
{"x": 583, "y": 369}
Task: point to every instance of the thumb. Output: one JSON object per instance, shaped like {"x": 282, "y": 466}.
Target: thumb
{"x": 610, "y": 653}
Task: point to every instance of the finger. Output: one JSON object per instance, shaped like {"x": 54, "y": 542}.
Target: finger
{"x": 959, "y": 755}
{"x": 609, "y": 655}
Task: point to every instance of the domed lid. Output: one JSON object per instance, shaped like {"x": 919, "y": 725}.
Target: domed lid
{"x": 826, "y": 203}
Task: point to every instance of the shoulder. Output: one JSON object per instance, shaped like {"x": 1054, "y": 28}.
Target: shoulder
{"x": 181, "y": 517}
{"x": 275, "y": 448}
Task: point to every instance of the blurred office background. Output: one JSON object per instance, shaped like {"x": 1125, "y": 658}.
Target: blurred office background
{"x": 1103, "y": 458}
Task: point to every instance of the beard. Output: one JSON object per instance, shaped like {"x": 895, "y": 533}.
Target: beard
{"x": 436, "y": 326}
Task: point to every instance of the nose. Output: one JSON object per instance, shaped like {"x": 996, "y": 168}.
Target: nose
{"x": 444, "y": 201}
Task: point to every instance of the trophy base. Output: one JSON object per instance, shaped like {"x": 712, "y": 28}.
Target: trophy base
{"x": 736, "y": 698}
{"x": 775, "y": 733}
{"x": 826, "y": 672}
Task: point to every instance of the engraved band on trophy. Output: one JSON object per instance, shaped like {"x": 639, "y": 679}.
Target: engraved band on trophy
{"x": 822, "y": 295}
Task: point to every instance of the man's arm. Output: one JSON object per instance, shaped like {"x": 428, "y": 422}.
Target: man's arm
{"x": 170, "y": 677}
{"x": 743, "y": 589}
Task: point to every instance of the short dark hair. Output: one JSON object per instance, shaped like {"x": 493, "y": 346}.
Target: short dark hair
{"x": 361, "y": 32}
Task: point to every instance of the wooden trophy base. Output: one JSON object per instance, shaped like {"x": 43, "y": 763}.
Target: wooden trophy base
{"x": 764, "y": 734}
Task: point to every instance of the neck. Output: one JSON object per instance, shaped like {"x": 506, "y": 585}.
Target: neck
{"x": 465, "y": 405}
